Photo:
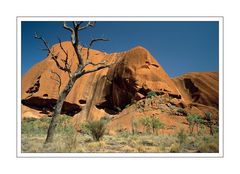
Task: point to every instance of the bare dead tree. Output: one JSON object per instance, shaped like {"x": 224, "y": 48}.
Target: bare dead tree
{"x": 73, "y": 76}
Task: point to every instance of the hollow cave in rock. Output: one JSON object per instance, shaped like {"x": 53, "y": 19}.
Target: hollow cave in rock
{"x": 46, "y": 105}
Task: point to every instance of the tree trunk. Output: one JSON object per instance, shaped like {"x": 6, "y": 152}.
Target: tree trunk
{"x": 58, "y": 108}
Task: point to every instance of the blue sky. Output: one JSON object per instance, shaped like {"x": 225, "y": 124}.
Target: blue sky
{"x": 179, "y": 47}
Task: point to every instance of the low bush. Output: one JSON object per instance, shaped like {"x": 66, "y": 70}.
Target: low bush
{"x": 33, "y": 126}
{"x": 194, "y": 120}
{"x": 156, "y": 124}
{"x": 151, "y": 94}
{"x": 146, "y": 122}
{"x": 96, "y": 129}
{"x": 182, "y": 136}
{"x": 152, "y": 123}
{"x": 182, "y": 111}
{"x": 208, "y": 118}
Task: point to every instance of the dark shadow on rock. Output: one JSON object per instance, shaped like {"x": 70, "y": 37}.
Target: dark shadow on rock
{"x": 47, "y": 105}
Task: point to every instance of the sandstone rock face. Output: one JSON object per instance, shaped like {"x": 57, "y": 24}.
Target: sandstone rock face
{"x": 200, "y": 91}
{"x": 105, "y": 92}
{"x": 137, "y": 74}
{"x": 120, "y": 91}
{"x": 43, "y": 82}
{"x": 199, "y": 88}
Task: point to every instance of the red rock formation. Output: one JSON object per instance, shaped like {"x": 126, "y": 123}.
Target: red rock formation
{"x": 137, "y": 74}
{"x": 126, "y": 83}
{"x": 199, "y": 87}
{"x": 107, "y": 91}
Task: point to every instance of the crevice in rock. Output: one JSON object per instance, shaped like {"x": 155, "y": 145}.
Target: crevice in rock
{"x": 193, "y": 90}
{"x": 35, "y": 88}
{"x": 143, "y": 91}
{"x": 108, "y": 109}
{"x": 82, "y": 101}
{"x": 155, "y": 65}
{"x": 177, "y": 96}
{"x": 190, "y": 86}
{"x": 47, "y": 105}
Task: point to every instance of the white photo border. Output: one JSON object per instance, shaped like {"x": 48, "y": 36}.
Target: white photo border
{"x": 219, "y": 19}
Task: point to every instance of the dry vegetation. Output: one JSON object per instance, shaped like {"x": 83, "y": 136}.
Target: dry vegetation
{"x": 68, "y": 140}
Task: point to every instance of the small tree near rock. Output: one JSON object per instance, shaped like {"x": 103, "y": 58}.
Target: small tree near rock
{"x": 194, "y": 120}
{"x": 152, "y": 123}
{"x": 208, "y": 118}
{"x": 156, "y": 125}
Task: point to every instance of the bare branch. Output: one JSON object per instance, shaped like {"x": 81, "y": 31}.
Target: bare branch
{"x": 75, "y": 40}
{"x": 79, "y": 24}
{"x": 90, "y": 46}
{"x": 36, "y": 36}
{"x": 75, "y": 23}
{"x": 60, "y": 42}
{"x": 103, "y": 63}
{"x": 66, "y": 63}
{"x": 95, "y": 69}
{"x": 53, "y": 56}
{"x": 96, "y": 64}
{"x": 58, "y": 80}
{"x": 67, "y": 27}
{"x": 89, "y": 24}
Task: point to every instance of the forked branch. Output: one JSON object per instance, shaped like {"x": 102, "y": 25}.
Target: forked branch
{"x": 67, "y": 27}
{"x": 74, "y": 36}
{"x": 57, "y": 79}
{"x": 90, "y": 46}
{"x": 98, "y": 67}
{"x": 66, "y": 67}
{"x": 95, "y": 69}
{"x": 89, "y": 24}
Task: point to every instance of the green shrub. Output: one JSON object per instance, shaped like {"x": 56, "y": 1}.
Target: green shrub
{"x": 33, "y": 126}
{"x": 208, "y": 118}
{"x": 151, "y": 94}
{"x": 194, "y": 120}
{"x": 152, "y": 123}
{"x": 182, "y": 136}
{"x": 124, "y": 134}
{"x": 64, "y": 125}
{"x": 182, "y": 111}
{"x": 156, "y": 124}
{"x": 96, "y": 129}
{"x": 84, "y": 128}
{"x": 146, "y": 122}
